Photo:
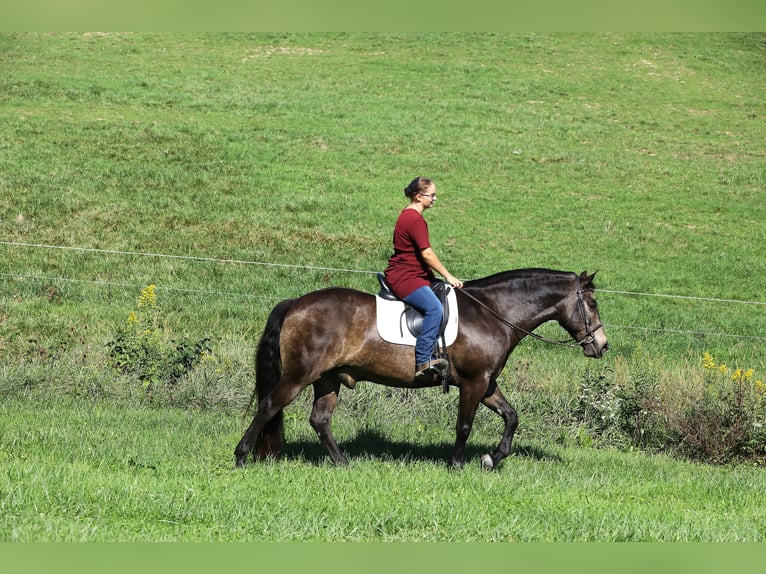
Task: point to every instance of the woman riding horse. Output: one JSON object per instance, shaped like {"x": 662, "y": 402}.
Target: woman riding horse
{"x": 329, "y": 338}
{"x": 410, "y": 273}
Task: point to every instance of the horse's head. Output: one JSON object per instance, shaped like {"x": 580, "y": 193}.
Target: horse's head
{"x": 583, "y": 321}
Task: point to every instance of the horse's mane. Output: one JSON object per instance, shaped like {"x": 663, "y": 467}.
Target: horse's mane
{"x": 533, "y": 273}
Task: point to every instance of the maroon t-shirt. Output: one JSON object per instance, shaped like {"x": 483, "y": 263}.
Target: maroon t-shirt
{"x": 407, "y": 271}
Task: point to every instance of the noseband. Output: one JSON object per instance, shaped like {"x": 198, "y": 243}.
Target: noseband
{"x": 588, "y": 339}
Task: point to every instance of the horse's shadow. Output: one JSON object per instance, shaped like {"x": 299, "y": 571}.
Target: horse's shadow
{"x": 369, "y": 443}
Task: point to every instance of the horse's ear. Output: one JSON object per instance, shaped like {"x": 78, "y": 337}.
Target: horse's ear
{"x": 586, "y": 279}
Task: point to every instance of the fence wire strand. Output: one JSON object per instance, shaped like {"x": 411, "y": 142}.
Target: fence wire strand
{"x": 326, "y": 269}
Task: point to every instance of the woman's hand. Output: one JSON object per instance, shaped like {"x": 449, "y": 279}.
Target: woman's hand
{"x": 454, "y": 281}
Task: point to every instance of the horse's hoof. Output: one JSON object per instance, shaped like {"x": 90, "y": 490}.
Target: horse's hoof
{"x": 486, "y": 462}
{"x": 240, "y": 463}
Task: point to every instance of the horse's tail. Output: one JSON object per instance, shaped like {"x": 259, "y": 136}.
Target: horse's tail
{"x": 268, "y": 369}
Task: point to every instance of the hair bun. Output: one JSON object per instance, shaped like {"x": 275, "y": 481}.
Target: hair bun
{"x": 415, "y": 186}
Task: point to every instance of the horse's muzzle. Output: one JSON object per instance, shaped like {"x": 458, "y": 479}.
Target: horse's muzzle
{"x": 595, "y": 350}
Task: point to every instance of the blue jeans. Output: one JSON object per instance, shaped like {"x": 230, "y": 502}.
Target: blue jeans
{"x": 426, "y": 301}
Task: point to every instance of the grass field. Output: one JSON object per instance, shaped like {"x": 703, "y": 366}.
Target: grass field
{"x": 101, "y": 473}
{"x": 234, "y": 170}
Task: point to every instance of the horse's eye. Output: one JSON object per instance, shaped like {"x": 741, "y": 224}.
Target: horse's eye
{"x": 592, "y": 304}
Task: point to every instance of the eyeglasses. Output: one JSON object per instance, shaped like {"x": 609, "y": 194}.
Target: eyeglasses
{"x": 431, "y": 196}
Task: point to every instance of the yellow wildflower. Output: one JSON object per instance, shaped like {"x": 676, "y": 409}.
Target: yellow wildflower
{"x": 740, "y": 375}
{"x": 148, "y": 296}
{"x": 708, "y": 362}
{"x": 132, "y": 318}
{"x": 722, "y": 368}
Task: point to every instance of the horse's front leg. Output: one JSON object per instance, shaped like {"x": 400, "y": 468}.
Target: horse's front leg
{"x": 496, "y": 402}
{"x": 470, "y": 395}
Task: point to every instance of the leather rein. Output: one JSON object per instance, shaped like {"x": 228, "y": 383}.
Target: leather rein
{"x": 588, "y": 339}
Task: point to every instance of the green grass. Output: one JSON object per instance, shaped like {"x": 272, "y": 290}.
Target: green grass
{"x": 637, "y": 155}
{"x": 236, "y": 170}
{"x": 98, "y": 472}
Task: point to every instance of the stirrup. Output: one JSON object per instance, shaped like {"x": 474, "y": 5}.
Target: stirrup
{"x": 432, "y": 371}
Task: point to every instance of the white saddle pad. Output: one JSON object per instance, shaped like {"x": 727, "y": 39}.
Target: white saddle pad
{"x": 392, "y": 326}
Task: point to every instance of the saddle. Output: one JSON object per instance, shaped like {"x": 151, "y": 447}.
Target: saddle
{"x": 412, "y": 317}
{"x": 388, "y": 303}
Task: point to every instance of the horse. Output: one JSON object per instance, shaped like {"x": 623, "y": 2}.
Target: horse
{"x": 328, "y": 338}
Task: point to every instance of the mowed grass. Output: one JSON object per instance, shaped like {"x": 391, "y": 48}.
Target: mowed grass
{"x": 236, "y": 170}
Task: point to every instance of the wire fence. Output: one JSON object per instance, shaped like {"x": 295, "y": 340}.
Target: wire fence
{"x": 220, "y": 293}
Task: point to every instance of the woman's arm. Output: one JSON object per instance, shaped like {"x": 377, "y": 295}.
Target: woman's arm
{"x": 429, "y": 256}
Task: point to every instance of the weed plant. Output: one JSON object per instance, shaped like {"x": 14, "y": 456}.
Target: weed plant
{"x": 139, "y": 348}
{"x": 711, "y": 413}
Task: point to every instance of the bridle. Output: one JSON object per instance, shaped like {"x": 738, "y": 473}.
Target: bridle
{"x": 588, "y": 339}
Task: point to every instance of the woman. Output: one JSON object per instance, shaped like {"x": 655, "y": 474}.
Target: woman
{"x": 410, "y": 273}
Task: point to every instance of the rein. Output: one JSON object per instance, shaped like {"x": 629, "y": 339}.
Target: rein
{"x": 587, "y": 340}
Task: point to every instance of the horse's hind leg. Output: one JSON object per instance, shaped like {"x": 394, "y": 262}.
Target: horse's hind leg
{"x": 496, "y": 402}
{"x": 282, "y": 395}
{"x": 325, "y": 399}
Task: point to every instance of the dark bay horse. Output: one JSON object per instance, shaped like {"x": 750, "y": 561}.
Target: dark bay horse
{"x": 329, "y": 338}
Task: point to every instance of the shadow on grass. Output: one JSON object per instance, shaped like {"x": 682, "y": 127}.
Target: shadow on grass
{"x": 369, "y": 443}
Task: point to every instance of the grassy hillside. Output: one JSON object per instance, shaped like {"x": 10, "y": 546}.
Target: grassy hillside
{"x": 270, "y": 165}
{"x": 231, "y": 171}
{"x": 235, "y": 170}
